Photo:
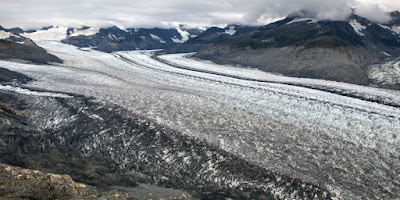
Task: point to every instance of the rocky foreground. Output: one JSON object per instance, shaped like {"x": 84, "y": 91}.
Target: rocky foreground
{"x": 19, "y": 183}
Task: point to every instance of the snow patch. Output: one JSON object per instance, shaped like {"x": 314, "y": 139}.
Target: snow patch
{"x": 157, "y": 38}
{"x": 358, "y": 27}
{"x": 386, "y": 54}
{"x": 310, "y": 20}
{"x": 112, "y": 36}
{"x": 86, "y": 32}
{"x": 184, "y": 35}
{"x": 395, "y": 29}
{"x": 30, "y": 92}
{"x": 231, "y": 30}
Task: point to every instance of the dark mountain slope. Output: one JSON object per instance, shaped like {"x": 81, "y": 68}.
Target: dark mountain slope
{"x": 8, "y": 76}
{"x": 209, "y": 37}
{"x": 305, "y": 47}
{"x": 36, "y": 54}
{"x": 115, "y": 39}
{"x": 14, "y": 46}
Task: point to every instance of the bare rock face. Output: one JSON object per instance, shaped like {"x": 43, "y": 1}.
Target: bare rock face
{"x": 19, "y": 183}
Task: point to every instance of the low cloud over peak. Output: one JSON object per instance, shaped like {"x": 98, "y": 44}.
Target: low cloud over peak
{"x": 155, "y": 13}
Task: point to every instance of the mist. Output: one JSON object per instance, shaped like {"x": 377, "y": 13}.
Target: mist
{"x": 33, "y": 14}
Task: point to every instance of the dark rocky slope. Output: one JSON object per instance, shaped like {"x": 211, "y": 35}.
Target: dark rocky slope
{"x": 10, "y": 76}
{"x": 28, "y": 52}
{"x": 21, "y": 145}
{"x": 301, "y": 47}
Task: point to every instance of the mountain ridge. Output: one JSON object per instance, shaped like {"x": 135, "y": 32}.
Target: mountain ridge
{"x": 311, "y": 48}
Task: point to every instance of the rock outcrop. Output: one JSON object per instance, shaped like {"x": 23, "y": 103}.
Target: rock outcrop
{"x": 18, "y": 183}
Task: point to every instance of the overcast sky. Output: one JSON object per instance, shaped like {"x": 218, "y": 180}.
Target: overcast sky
{"x": 166, "y": 13}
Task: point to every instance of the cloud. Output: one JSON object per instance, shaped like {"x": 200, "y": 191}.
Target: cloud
{"x": 372, "y": 11}
{"x": 161, "y": 13}
{"x": 326, "y": 10}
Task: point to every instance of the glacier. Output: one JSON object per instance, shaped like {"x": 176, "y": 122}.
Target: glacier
{"x": 303, "y": 128}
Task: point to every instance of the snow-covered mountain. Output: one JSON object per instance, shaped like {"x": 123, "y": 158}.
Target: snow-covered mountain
{"x": 117, "y": 39}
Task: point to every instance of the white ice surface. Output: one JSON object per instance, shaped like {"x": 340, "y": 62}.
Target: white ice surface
{"x": 30, "y": 92}
{"x": 57, "y": 33}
